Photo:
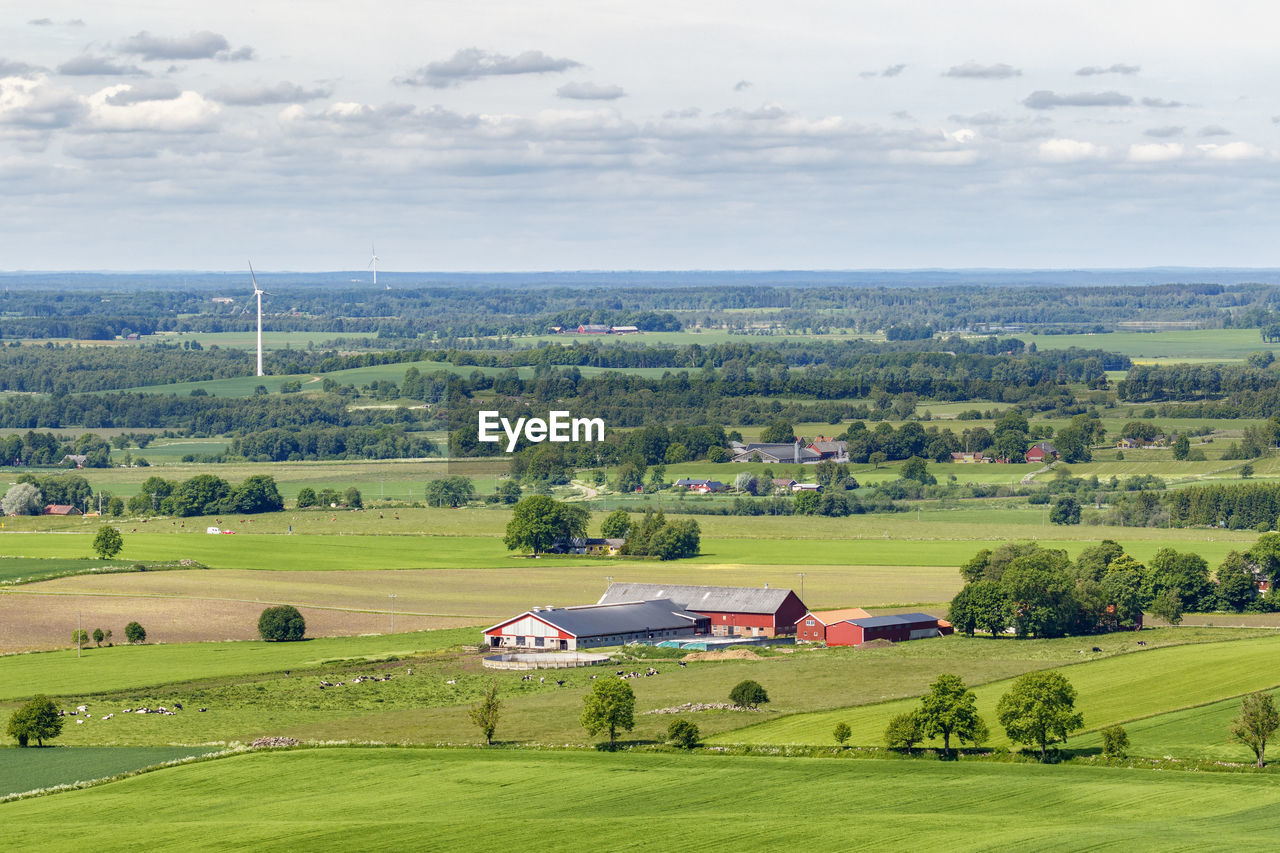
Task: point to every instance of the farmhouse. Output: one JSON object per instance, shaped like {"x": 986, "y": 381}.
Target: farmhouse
{"x": 613, "y": 624}
{"x": 966, "y": 458}
{"x": 907, "y": 626}
{"x": 593, "y": 329}
{"x": 581, "y": 545}
{"x": 61, "y": 509}
{"x": 1042, "y": 451}
{"x": 812, "y": 628}
{"x": 624, "y": 330}
{"x": 702, "y": 487}
{"x": 733, "y": 611}
{"x": 827, "y": 448}
{"x": 783, "y": 484}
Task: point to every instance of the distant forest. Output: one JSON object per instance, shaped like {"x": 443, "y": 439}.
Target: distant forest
{"x": 100, "y": 310}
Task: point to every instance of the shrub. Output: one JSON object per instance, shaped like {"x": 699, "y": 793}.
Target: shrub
{"x": 683, "y": 734}
{"x": 842, "y": 733}
{"x": 904, "y": 731}
{"x": 282, "y": 623}
{"x": 135, "y": 633}
{"x": 1115, "y": 742}
{"x": 748, "y": 694}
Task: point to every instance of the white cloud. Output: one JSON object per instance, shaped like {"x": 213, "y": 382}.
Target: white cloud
{"x": 1069, "y": 151}
{"x": 1156, "y": 152}
{"x": 963, "y": 135}
{"x": 590, "y": 92}
{"x": 188, "y": 112}
{"x": 37, "y": 104}
{"x": 933, "y": 158}
{"x": 1233, "y": 151}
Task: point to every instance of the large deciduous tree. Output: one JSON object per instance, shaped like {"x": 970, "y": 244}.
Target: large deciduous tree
{"x": 107, "y": 542}
{"x": 950, "y": 708}
{"x": 37, "y": 719}
{"x": 538, "y": 521}
{"x": 1039, "y": 710}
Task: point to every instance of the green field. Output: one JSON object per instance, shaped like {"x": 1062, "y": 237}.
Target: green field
{"x": 1180, "y": 345}
{"x": 26, "y": 569}
{"x": 462, "y": 800}
{"x": 1142, "y": 683}
{"x": 30, "y": 769}
{"x": 62, "y": 673}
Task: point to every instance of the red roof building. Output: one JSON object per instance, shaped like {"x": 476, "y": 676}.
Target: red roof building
{"x": 906, "y": 626}
{"x": 812, "y": 627}
{"x": 61, "y": 509}
{"x": 733, "y": 611}
{"x": 1042, "y": 451}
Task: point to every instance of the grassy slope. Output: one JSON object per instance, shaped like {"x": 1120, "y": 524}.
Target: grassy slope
{"x": 1109, "y": 691}
{"x": 466, "y": 799}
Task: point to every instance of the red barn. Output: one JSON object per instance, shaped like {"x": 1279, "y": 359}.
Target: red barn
{"x": 1042, "y": 451}
{"x": 905, "y": 626}
{"x": 812, "y": 627}
{"x": 734, "y": 611}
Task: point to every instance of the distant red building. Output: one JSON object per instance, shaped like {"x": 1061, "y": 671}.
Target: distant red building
{"x": 812, "y": 627}
{"x": 1042, "y": 451}
{"x": 906, "y": 626}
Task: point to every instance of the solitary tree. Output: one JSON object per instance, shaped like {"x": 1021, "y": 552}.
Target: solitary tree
{"x": 98, "y": 636}
{"x": 37, "y": 719}
{"x": 1065, "y": 510}
{"x": 748, "y": 694}
{"x": 950, "y": 708}
{"x": 904, "y": 731}
{"x": 1115, "y": 742}
{"x": 842, "y": 733}
{"x": 1039, "y": 710}
{"x": 683, "y": 734}
{"x": 452, "y": 491}
{"x": 1257, "y": 722}
{"x": 485, "y": 715}
{"x": 610, "y": 706}
{"x": 107, "y": 542}
{"x": 135, "y": 633}
{"x": 282, "y": 623}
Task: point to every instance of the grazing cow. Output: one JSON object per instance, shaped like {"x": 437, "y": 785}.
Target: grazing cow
{"x": 542, "y": 680}
{"x": 683, "y": 663}
{"x": 1096, "y": 649}
{"x": 202, "y": 710}
{"x": 560, "y": 682}
{"x": 1142, "y": 642}
{"x": 452, "y": 681}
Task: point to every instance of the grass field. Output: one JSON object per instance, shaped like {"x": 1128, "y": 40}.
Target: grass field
{"x": 461, "y": 800}
{"x": 60, "y": 673}
{"x": 1114, "y": 690}
{"x": 29, "y": 769}
{"x": 1201, "y": 345}
{"x": 25, "y": 569}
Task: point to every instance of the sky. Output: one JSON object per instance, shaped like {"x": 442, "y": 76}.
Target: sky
{"x": 620, "y": 135}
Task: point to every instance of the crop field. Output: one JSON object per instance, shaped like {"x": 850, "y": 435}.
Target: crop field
{"x": 25, "y": 569}
{"x": 462, "y": 799}
{"x": 29, "y": 769}
{"x": 1114, "y": 690}
{"x": 248, "y": 339}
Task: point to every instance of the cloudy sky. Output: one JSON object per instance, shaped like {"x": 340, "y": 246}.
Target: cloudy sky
{"x": 620, "y": 135}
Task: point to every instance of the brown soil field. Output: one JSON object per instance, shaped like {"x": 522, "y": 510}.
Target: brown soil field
{"x": 728, "y": 654}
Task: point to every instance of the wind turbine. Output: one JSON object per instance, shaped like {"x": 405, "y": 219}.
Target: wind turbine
{"x": 257, "y": 291}
{"x": 373, "y": 264}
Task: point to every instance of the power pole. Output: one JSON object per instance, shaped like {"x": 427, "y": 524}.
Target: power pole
{"x": 801, "y": 585}
{"x": 78, "y": 634}
{"x": 392, "y": 596}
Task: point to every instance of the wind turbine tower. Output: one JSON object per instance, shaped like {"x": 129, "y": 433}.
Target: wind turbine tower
{"x": 373, "y": 265}
{"x": 257, "y": 291}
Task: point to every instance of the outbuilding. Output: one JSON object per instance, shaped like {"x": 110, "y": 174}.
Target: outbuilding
{"x": 905, "y": 626}
{"x": 569, "y": 628}
{"x": 812, "y": 628}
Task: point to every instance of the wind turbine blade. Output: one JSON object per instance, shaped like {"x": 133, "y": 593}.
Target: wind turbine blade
{"x": 254, "y": 277}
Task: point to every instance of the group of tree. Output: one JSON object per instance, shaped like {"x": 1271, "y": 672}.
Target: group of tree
{"x": 1037, "y": 711}
{"x": 1039, "y": 592}
{"x": 655, "y": 536}
{"x": 293, "y": 444}
{"x": 350, "y": 498}
{"x": 456, "y": 490}
{"x": 207, "y": 494}
{"x": 539, "y": 523}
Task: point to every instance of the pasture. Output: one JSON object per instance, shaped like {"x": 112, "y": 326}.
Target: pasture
{"x": 1140, "y": 683}
{"x": 1179, "y": 345}
{"x": 463, "y": 799}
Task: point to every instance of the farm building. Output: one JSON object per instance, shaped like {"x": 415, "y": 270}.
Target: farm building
{"x": 812, "y": 627}
{"x": 829, "y": 448}
{"x": 774, "y": 453}
{"x": 702, "y": 487}
{"x": 1042, "y": 451}
{"x": 905, "y": 626}
{"x": 61, "y": 509}
{"x": 612, "y": 624}
{"x": 968, "y": 458}
{"x": 733, "y": 611}
{"x": 593, "y": 329}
